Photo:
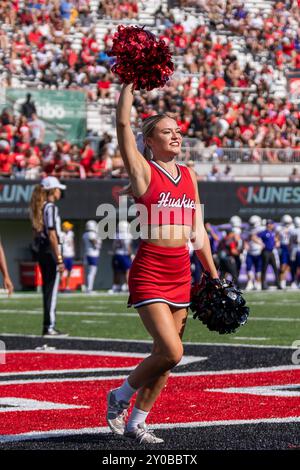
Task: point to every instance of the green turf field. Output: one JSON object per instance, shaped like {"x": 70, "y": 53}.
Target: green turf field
{"x": 274, "y": 318}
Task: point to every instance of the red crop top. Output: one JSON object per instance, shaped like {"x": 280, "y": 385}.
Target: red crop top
{"x": 168, "y": 200}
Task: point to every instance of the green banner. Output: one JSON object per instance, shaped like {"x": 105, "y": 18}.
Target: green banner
{"x": 63, "y": 112}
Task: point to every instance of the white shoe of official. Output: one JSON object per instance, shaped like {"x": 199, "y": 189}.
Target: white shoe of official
{"x": 249, "y": 285}
{"x": 142, "y": 435}
{"x": 294, "y": 285}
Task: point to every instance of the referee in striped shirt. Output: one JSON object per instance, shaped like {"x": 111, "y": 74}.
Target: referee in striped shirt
{"x": 47, "y": 246}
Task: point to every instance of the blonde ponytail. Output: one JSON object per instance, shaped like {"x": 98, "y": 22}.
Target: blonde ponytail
{"x": 38, "y": 198}
{"x": 148, "y": 127}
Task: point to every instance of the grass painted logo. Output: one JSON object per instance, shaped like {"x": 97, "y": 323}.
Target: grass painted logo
{"x": 268, "y": 195}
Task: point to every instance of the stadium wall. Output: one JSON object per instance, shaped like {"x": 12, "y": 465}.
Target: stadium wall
{"x": 16, "y": 237}
{"x": 221, "y": 200}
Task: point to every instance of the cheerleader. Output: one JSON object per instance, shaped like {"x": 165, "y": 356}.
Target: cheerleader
{"x": 160, "y": 275}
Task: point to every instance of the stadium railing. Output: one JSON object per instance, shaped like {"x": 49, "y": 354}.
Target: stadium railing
{"x": 193, "y": 149}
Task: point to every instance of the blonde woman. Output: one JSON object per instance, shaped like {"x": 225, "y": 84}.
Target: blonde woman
{"x": 7, "y": 282}
{"x": 160, "y": 276}
{"x": 47, "y": 243}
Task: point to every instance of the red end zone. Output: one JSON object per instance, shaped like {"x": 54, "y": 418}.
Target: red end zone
{"x": 46, "y": 361}
{"x": 186, "y": 399}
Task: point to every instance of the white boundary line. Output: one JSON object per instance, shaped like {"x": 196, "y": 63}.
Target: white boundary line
{"x": 78, "y": 352}
{"x": 72, "y": 313}
{"x": 252, "y": 338}
{"x": 17, "y": 295}
{"x": 184, "y": 361}
{"x": 144, "y": 341}
{"x": 104, "y": 430}
{"x": 65, "y": 379}
{"x": 100, "y": 313}
{"x": 173, "y": 374}
{"x": 65, "y": 371}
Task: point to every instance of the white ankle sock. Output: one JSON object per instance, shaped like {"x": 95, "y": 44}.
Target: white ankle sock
{"x": 125, "y": 392}
{"x": 137, "y": 417}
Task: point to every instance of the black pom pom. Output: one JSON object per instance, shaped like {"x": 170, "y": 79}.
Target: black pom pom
{"x": 218, "y": 304}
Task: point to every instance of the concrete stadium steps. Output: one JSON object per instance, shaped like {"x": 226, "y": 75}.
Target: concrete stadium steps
{"x": 257, "y": 6}
{"x": 94, "y": 5}
{"x": 100, "y": 117}
{"x": 251, "y": 171}
{"x": 148, "y": 8}
{"x": 145, "y": 17}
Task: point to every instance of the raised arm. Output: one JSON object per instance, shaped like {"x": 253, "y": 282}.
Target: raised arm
{"x": 136, "y": 165}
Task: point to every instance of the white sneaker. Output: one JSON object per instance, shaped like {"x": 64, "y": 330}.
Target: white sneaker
{"x": 294, "y": 285}
{"x": 124, "y": 288}
{"x": 142, "y": 435}
{"x": 116, "y": 413}
{"x": 283, "y": 284}
{"x": 257, "y": 286}
{"x": 114, "y": 290}
{"x": 91, "y": 292}
{"x": 249, "y": 285}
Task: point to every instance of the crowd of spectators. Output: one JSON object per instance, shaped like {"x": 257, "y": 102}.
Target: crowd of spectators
{"x": 119, "y": 9}
{"x": 24, "y": 154}
{"x": 221, "y": 101}
{"x": 37, "y": 43}
{"x": 220, "y": 119}
{"x": 226, "y": 102}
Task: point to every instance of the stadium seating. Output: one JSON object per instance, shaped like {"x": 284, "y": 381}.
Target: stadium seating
{"x": 253, "y": 74}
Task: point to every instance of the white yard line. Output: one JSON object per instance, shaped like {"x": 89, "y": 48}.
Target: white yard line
{"x": 118, "y": 296}
{"x": 273, "y": 319}
{"x": 147, "y": 341}
{"x": 255, "y": 370}
{"x": 72, "y": 313}
{"x": 127, "y": 314}
{"x": 20, "y": 295}
{"x": 250, "y": 338}
{"x": 61, "y": 371}
{"x": 36, "y": 435}
{"x": 282, "y": 303}
{"x": 79, "y": 352}
{"x": 94, "y": 321}
{"x": 186, "y": 359}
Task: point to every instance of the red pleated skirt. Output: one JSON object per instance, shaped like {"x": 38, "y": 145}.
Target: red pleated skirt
{"x": 160, "y": 274}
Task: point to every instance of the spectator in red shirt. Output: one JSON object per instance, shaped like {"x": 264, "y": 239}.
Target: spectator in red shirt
{"x": 101, "y": 166}
{"x": 87, "y": 155}
{"x": 104, "y": 87}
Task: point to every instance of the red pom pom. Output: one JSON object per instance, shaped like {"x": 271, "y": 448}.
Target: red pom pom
{"x": 141, "y": 58}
